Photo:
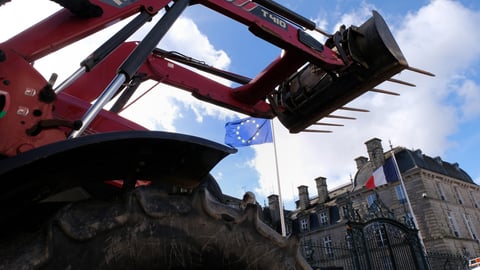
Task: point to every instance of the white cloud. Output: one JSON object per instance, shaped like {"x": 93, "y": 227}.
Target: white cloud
{"x": 469, "y": 93}
{"x": 186, "y": 35}
{"x": 447, "y": 46}
{"x": 196, "y": 45}
{"x": 146, "y": 110}
{"x": 356, "y": 17}
{"x": 24, "y": 13}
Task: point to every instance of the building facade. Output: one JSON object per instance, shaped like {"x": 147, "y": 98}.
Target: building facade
{"x": 436, "y": 197}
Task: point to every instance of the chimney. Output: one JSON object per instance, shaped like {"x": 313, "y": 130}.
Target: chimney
{"x": 274, "y": 207}
{"x": 304, "y": 201}
{"x": 375, "y": 152}
{"x": 322, "y": 189}
{"x": 361, "y": 161}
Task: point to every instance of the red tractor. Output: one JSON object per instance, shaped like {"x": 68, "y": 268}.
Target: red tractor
{"x": 63, "y": 153}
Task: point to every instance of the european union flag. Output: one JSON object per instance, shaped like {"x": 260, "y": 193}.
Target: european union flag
{"x": 248, "y": 131}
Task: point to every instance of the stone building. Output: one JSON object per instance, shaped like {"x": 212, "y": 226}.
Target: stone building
{"x": 444, "y": 208}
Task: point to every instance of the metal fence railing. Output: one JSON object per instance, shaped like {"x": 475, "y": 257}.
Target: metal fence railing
{"x": 342, "y": 257}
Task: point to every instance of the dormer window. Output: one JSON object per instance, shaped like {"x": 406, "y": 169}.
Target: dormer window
{"x": 419, "y": 153}
{"x": 438, "y": 160}
{"x": 456, "y": 166}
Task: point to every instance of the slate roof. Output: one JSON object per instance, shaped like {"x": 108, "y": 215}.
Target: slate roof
{"x": 408, "y": 159}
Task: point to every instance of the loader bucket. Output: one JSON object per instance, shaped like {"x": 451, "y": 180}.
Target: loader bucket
{"x": 313, "y": 93}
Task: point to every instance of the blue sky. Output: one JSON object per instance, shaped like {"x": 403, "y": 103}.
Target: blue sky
{"x": 440, "y": 116}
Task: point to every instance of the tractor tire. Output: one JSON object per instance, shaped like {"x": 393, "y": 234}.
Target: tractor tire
{"x": 150, "y": 228}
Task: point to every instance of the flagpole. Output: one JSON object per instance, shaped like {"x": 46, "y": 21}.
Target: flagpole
{"x": 280, "y": 201}
{"x": 408, "y": 200}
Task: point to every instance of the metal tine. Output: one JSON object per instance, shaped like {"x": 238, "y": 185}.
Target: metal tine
{"x": 353, "y": 109}
{"x": 384, "y": 91}
{"x": 317, "y": 131}
{"x": 328, "y": 124}
{"x": 420, "y": 71}
{"x": 341, "y": 117}
{"x": 401, "y": 82}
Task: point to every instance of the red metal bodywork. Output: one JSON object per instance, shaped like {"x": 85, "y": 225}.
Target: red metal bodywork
{"x": 64, "y": 28}
{"x": 21, "y": 84}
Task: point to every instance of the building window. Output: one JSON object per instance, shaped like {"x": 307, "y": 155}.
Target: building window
{"x": 323, "y": 218}
{"x": 441, "y": 193}
{"x": 474, "y": 199}
{"x": 304, "y": 224}
{"x": 371, "y": 199}
{"x": 470, "y": 227}
{"x": 459, "y": 196}
{"x": 400, "y": 194}
{"x": 372, "y": 202}
{"x": 408, "y": 220}
{"x": 327, "y": 243}
{"x": 453, "y": 223}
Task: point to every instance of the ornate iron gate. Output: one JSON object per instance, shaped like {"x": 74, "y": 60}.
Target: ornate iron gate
{"x": 385, "y": 244}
